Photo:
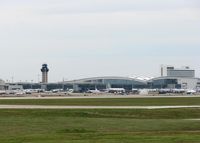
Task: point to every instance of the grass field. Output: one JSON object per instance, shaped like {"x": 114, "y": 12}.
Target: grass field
{"x": 106, "y": 101}
{"x": 100, "y": 126}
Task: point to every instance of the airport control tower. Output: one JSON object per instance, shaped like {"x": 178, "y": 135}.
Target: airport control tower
{"x": 44, "y": 71}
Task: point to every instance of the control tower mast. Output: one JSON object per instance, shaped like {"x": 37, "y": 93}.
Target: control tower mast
{"x": 44, "y": 71}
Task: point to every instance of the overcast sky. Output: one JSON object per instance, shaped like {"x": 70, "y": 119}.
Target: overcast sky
{"x": 88, "y": 38}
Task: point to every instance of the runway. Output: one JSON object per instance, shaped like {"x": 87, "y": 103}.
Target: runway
{"x": 98, "y": 96}
{"x": 92, "y": 107}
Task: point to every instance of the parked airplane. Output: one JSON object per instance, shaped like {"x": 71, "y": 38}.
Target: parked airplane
{"x": 191, "y": 92}
{"x": 178, "y": 90}
{"x": 94, "y": 91}
{"x": 56, "y": 90}
{"x": 164, "y": 91}
{"x": 116, "y": 90}
{"x": 2, "y": 92}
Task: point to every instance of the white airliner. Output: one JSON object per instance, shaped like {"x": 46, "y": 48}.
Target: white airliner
{"x": 116, "y": 90}
{"x": 94, "y": 91}
{"x": 191, "y": 92}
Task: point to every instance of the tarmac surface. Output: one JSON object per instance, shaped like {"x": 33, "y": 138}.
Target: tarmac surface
{"x": 92, "y": 107}
{"x": 38, "y": 96}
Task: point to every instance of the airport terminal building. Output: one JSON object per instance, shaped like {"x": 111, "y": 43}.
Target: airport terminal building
{"x": 171, "y": 78}
{"x": 102, "y": 83}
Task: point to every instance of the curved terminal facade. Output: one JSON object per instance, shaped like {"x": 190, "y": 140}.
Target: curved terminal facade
{"x": 102, "y": 83}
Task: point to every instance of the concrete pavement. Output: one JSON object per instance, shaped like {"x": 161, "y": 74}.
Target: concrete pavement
{"x": 92, "y": 107}
{"x": 99, "y": 96}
